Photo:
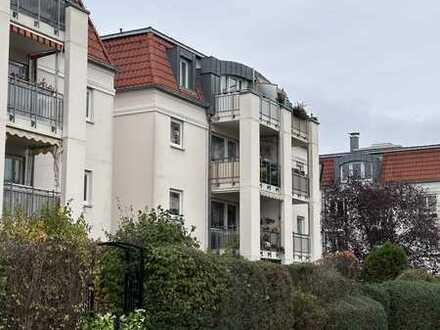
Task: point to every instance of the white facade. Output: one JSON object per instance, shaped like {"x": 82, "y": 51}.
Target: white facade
{"x": 50, "y": 143}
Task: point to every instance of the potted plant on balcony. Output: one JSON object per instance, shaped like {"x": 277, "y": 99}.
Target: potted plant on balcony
{"x": 299, "y": 110}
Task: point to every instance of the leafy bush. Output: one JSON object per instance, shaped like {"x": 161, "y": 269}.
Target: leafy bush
{"x": 138, "y": 320}
{"x": 416, "y": 275}
{"x": 356, "y": 312}
{"x": 412, "y": 305}
{"x": 384, "y": 263}
{"x": 48, "y": 270}
{"x": 344, "y": 262}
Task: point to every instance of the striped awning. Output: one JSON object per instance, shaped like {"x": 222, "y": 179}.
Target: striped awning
{"x": 42, "y": 140}
{"x": 41, "y": 39}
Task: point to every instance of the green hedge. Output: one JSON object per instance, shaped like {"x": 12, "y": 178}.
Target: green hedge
{"x": 356, "y": 313}
{"x": 412, "y": 304}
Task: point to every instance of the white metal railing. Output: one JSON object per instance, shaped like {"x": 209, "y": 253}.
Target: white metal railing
{"x": 301, "y": 247}
{"x": 221, "y": 238}
{"x": 224, "y": 171}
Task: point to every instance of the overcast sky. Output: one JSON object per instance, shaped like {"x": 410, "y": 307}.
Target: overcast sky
{"x": 369, "y": 66}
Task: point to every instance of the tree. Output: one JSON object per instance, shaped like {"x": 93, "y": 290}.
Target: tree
{"x": 358, "y": 216}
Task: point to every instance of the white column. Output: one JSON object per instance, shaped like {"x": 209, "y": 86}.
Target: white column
{"x": 4, "y": 68}
{"x": 74, "y": 133}
{"x": 286, "y": 181}
{"x": 249, "y": 177}
{"x": 315, "y": 193}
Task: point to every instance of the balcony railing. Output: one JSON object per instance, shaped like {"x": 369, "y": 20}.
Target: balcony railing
{"x": 270, "y": 111}
{"x": 270, "y": 173}
{"x": 221, "y": 238}
{"x": 28, "y": 200}
{"x": 225, "y": 171}
{"x": 227, "y": 104}
{"x": 270, "y": 240}
{"x": 300, "y": 184}
{"x": 37, "y": 103}
{"x": 301, "y": 247}
{"x": 300, "y": 128}
{"x": 51, "y": 12}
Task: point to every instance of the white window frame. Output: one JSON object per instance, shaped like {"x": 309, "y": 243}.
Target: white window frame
{"x": 88, "y": 188}
{"x": 184, "y": 76}
{"x": 180, "y": 193}
{"x": 90, "y": 105}
{"x": 180, "y": 123}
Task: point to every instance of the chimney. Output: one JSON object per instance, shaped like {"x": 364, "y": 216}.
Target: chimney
{"x": 354, "y": 141}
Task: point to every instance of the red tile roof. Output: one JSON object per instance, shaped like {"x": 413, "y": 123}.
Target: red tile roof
{"x": 411, "y": 166}
{"x": 97, "y": 51}
{"x": 142, "y": 61}
{"x": 328, "y": 171}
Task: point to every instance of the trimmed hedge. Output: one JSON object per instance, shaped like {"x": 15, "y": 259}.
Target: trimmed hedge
{"x": 412, "y": 304}
{"x": 356, "y": 313}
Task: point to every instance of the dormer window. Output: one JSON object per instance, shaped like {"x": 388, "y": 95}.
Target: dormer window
{"x": 229, "y": 84}
{"x": 356, "y": 171}
{"x": 185, "y": 67}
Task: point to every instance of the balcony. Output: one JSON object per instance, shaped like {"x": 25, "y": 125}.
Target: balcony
{"x": 300, "y": 186}
{"x": 270, "y": 176}
{"x": 35, "y": 107}
{"x": 301, "y": 247}
{"x": 270, "y": 241}
{"x": 222, "y": 239}
{"x": 28, "y": 200}
{"x": 227, "y": 108}
{"x": 300, "y": 129}
{"x": 224, "y": 174}
{"x": 51, "y": 12}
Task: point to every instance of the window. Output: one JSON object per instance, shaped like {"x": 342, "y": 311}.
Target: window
{"x": 224, "y": 148}
{"x": 357, "y": 171}
{"x": 431, "y": 204}
{"x": 300, "y": 225}
{"x": 176, "y": 202}
{"x": 89, "y": 105}
{"x": 18, "y": 70}
{"x": 176, "y": 133}
{"x": 87, "y": 187}
{"x": 224, "y": 215}
{"x": 229, "y": 84}
{"x": 185, "y": 67}
{"x": 14, "y": 169}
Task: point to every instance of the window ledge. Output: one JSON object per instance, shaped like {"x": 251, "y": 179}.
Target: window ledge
{"x": 176, "y": 146}
{"x": 87, "y": 205}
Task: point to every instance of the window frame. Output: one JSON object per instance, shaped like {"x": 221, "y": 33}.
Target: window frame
{"x": 184, "y": 78}
{"x": 90, "y": 105}
{"x": 180, "y": 123}
{"x": 88, "y": 188}
{"x": 22, "y": 172}
{"x": 180, "y": 194}
{"x": 301, "y": 230}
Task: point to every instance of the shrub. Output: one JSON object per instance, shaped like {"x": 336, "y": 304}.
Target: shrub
{"x": 356, "y": 313}
{"x": 48, "y": 270}
{"x": 384, "y": 263}
{"x": 416, "y": 275}
{"x": 138, "y": 320}
{"x": 345, "y": 263}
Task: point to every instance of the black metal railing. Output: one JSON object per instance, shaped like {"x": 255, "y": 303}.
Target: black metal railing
{"x": 51, "y": 12}
{"x": 28, "y": 200}
{"x": 300, "y": 128}
{"x": 36, "y": 102}
{"x": 270, "y": 240}
{"x": 227, "y": 104}
{"x": 221, "y": 238}
{"x": 270, "y": 173}
{"x": 225, "y": 171}
{"x": 270, "y": 111}
{"x": 301, "y": 247}
{"x": 300, "y": 184}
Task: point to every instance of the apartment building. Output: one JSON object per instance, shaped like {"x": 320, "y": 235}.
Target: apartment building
{"x": 386, "y": 163}
{"x": 216, "y": 142}
{"x": 56, "y": 102}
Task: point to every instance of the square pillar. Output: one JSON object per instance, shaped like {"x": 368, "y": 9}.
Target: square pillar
{"x": 286, "y": 184}
{"x": 75, "y": 88}
{"x": 249, "y": 176}
{"x": 4, "y": 72}
{"x": 315, "y": 192}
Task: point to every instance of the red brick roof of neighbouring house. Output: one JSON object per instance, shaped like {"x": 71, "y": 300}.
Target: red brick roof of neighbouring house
{"x": 97, "y": 51}
{"x": 419, "y": 165}
{"x": 328, "y": 171}
{"x": 142, "y": 61}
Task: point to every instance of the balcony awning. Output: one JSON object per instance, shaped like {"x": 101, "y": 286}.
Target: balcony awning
{"x": 41, "y": 39}
{"x": 43, "y": 141}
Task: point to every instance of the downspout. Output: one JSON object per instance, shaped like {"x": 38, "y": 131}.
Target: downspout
{"x": 209, "y": 190}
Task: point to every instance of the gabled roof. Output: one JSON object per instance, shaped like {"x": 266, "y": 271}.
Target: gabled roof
{"x": 142, "y": 61}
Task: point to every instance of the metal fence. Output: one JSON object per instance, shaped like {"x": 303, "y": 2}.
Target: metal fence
{"x": 270, "y": 240}
{"x": 270, "y": 111}
{"x": 227, "y": 104}
{"x": 270, "y": 173}
{"x": 221, "y": 238}
{"x": 300, "y": 184}
{"x": 38, "y": 103}
{"x": 28, "y": 200}
{"x": 51, "y": 12}
{"x": 301, "y": 247}
{"x": 225, "y": 171}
